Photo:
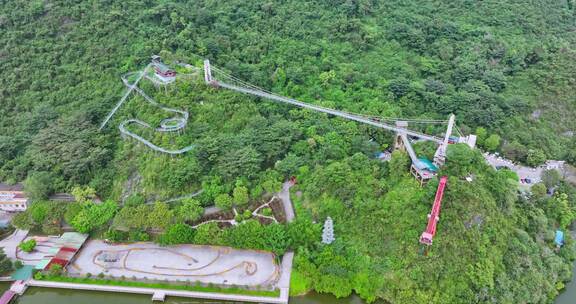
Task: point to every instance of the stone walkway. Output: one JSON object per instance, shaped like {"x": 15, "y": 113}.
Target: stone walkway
{"x": 284, "y": 195}
{"x": 286, "y": 271}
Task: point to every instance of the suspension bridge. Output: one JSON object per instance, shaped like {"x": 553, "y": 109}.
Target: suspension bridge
{"x": 422, "y": 169}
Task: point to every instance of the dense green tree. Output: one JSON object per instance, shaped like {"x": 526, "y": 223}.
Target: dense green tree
{"x": 398, "y": 164}
{"x": 492, "y": 142}
{"x": 223, "y": 201}
{"x": 303, "y": 233}
{"x": 82, "y": 151}
{"x": 177, "y": 234}
{"x": 190, "y": 210}
{"x": 135, "y": 200}
{"x": 242, "y": 162}
{"x": 550, "y": 178}
{"x": 5, "y": 263}
{"x": 538, "y": 191}
{"x": 208, "y": 234}
{"x": 83, "y": 194}
{"x": 94, "y": 215}
{"x": 515, "y": 150}
{"x": 399, "y": 87}
{"x": 27, "y": 246}
{"x": 240, "y": 196}
{"x": 160, "y": 216}
{"x": 23, "y": 221}
{"x": 495, "y": 80}
{"x": 72, "y": 210}
{"x": 481, "y": 135}
{"x": 39, "y": 185}
{"x": 535, "y": 157}
{"x": 42, "y": 215}
{"x": 211, "y": 187}
{"x": 39, "y": 211}
{"x": 562, "y": 211}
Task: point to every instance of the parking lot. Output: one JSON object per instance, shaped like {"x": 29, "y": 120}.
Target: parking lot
{"x": 532, "y": 174}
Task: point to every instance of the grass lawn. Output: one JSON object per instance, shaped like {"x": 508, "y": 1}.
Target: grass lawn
{"x": 299, "y": 284}
{"x": 97, "y": 281}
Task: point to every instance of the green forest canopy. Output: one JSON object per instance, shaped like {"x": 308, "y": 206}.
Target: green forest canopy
{"x": 503, "y": 67}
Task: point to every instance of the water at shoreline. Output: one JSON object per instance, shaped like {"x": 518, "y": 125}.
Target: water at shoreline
{"x": 568, "y": 295}
{"x": 35, "y": 295}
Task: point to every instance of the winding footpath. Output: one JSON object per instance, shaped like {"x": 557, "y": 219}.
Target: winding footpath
{"x": 173, "y": 124}
{"x": 166, "y": 125}
{"x": 284, "y": 196}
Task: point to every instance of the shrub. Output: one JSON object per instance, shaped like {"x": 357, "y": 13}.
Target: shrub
{"x": 246, "y": 214}
{"x": 223, "y": 201}
{"x": 55, "y": 270}
{"x": 27, "y": 246}
{"x": 177, "y": 234}
{"x": 18, "y": 264}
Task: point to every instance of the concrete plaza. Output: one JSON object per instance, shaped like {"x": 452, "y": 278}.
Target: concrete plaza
{"x": 205, "y": 264}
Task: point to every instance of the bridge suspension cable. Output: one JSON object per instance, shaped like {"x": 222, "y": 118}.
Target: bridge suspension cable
{"x": 247, "y": 88}
{"x": 389, "y": 119}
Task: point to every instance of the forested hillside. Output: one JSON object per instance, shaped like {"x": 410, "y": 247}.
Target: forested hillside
{"x": 505, "y": 68}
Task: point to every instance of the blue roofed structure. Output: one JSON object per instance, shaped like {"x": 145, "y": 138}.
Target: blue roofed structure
{"x": 427, "y": 164}
{"x": 559, "y": 239}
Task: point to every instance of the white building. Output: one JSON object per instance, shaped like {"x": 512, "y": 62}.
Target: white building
{"x": 12, "y": 198}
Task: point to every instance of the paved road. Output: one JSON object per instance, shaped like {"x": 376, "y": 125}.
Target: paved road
{"x": 284, "y": 195}
{"x": 179, "y": 198}
{"x": 211, "y": 210}
{"x": 286, "y": 270}
{"x": 11, "y": 242}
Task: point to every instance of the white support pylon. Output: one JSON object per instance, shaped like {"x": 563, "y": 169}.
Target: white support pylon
{"x": 440, "y": 155}
{"x": 207, "y": 72}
